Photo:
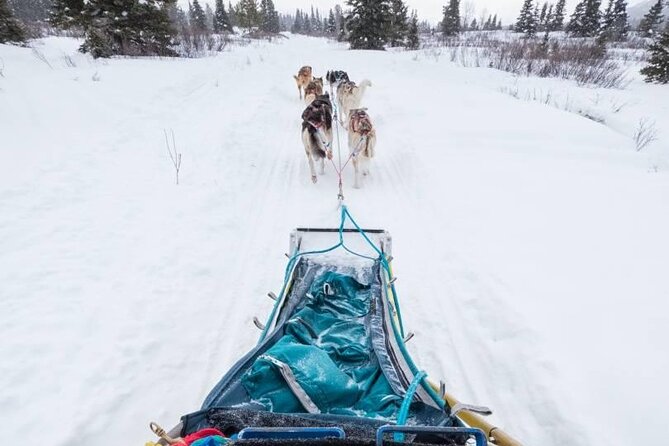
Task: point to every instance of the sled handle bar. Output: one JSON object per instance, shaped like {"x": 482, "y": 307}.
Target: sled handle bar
{"x": 290, "y": 433}
{"x": 478, "y": 434}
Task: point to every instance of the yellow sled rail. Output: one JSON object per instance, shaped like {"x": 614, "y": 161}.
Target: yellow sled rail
{"x": 494, "y": 434}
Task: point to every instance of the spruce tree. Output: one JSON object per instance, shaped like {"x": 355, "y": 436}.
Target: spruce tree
{"x": 178, "y": 17}
{"x": 10, "y": 30}
{"x": 548, "y": 20}
{"x": 368, "y": 23}
{"x": 592, "y": 17}
{"x": 585, "y": 21}
{"x": 542, "y": 16}
{"x": 209, "y": 16}
{"x": 658, "y": 64}
{"x": 652, "y": 21}
{"x": 232, "y": 15}
{"x": 221, "y": 19}
{"x": 197, "y": 17}
{"x": 557, "y": 23}
{"x": 575, "y": 25}
{"x": 413, "y": 39}
{"x": 450, "y": 25}
{"x": 526, "y": 22}
{"x": 331, "y": 27}
{"x": 30, "y": 11}
{"x": 607, "y": 18}
{"x": 127, "y": 27}
{"x": 269, "y": 18}
{"x": 247, "y": 14}
{"x": 306, "y": 24}
{"x": 297, "y": 24}
{"x": 399, "y": 22}
{"x": 615, "y": 25}
{"x": 66, "y": 14}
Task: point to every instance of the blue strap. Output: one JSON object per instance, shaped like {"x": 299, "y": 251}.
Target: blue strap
{"x": 403, "y": 413}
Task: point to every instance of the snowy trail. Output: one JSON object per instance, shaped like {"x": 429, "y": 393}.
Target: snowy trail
{"x": 126, "y": 297}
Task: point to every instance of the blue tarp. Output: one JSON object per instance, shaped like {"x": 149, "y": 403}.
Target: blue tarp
{"x": 327, "y": 344}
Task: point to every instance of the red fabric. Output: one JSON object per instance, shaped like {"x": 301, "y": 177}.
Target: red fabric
{"x": 188, "y": 439}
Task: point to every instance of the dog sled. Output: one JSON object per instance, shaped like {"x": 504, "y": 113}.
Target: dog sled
{"x": 331, "y": 366}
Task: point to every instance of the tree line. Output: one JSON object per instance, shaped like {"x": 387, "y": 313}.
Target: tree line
{"x": 589, "y": 19}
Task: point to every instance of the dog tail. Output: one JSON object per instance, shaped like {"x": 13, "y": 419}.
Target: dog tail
{"x": 316, "y": 148}
{"x": 363, "y": 86}
{"x": 369, "y": 149}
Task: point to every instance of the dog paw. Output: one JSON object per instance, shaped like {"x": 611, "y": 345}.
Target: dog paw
{"x": 314, "y": 179}
{"x": 329, "y": 154}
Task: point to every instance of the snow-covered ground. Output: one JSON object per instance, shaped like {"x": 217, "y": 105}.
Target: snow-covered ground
{"x": 531, "y": 243}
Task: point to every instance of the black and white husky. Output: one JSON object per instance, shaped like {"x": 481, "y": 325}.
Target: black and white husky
{"x": 317, "y": 133}
{"x": 336, "y": 77}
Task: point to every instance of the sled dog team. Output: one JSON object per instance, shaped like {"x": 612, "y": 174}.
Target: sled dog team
{"x": 317, "y": 120}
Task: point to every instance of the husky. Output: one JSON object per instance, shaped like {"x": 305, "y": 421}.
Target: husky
{"x": 303, "y": 78}
{"x": 336, "y": 77}
{"x": 361, "y": 142}
{"x": 349, "y": 96}
{"x": 317, "y": 133}
{"x": 313, "y": 90}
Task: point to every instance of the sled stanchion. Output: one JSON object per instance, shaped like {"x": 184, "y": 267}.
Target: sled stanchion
{"x": 493, "y": 434}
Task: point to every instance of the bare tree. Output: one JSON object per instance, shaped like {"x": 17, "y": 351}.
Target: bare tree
{"x": 175, "y": 156}
{"x": 645, "y": 134}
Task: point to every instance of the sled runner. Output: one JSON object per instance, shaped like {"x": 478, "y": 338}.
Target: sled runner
{"x": 331, "y": 366}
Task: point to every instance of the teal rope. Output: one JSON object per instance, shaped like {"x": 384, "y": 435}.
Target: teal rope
{"x": 297, "y": 255}
{"x": 403, "y": 413}
{"x": 384, "y": 263}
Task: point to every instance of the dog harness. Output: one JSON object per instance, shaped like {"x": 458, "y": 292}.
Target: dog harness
{"x": 360, "y": 122}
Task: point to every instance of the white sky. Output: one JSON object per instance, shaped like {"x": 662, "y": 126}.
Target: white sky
{"x": 427, "y": 9}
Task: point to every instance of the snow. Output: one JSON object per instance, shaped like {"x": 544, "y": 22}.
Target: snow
{"x": 530, "y": 242}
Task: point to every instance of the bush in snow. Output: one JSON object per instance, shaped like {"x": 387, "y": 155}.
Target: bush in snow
{"x": 584, "y": 61}
{"x": 127, "y": 27}
{"x": 658, "y": 64}
{"x": 10, "y": 30}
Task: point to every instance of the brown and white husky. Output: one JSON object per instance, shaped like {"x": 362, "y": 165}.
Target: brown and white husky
{"x": 313, "y": 90}
{"x": 361, "y": 142}
{"x": 349, "y": 96}
{"x": 303, "y": 78}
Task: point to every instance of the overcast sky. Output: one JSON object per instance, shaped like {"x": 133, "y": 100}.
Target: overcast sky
{"x": 427, "y": 9}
